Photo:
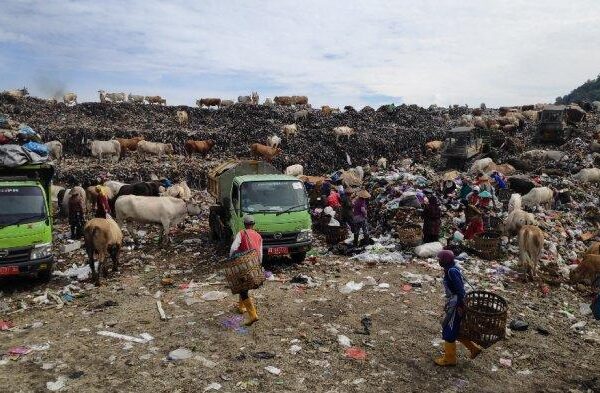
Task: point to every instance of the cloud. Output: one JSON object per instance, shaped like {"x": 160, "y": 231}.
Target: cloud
{"x": 335, "y": 52}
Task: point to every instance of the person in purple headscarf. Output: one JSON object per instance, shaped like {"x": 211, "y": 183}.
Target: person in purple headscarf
{"x": 453, "y": 311}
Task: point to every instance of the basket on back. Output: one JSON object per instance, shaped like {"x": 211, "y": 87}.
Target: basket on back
{"x": 484, "y": 321}
{"x": 244, "y": 272}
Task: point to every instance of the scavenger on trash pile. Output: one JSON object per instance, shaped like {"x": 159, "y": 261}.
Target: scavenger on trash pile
{"x": 454, "y": 311}
{"x": 247, "y": 240}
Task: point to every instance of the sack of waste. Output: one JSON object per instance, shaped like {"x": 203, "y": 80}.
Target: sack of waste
{"x": 38, "y": 148}
{"x": 428, "y": 250}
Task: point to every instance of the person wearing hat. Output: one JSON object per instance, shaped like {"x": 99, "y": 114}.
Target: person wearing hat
{"x": 453, "y": 311}
{"x": 247, "y": 239}
{"x": 485, "y": 198}
{"x": 432, "y": 218}
{"x": 359, "y": 215}
{"x": 76, "y": 215}
{"x": 475, "y": 225}
{"x": 473, "y": 197}
{"x": 102, "y": 205}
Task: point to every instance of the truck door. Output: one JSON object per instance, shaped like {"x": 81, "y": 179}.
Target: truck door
{"x": 235, "y": 207}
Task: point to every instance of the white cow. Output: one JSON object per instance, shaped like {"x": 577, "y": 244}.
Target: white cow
{"x": 343, "y": 131}
{"x": 289, "y": 129}
{"x": 112, "y": 97}
{"x": 382, "y": 163}
{"x": 135, "y": 99}
{"x": 294, "y": 170}
{"x": 155, "y": 148}
{"x": 588, "y": 175}
{"x": 111, "y": 148}
{"x": 70, "y": 99}
{"x": 166, "y": 211}
{"x": 484, "y": 165}
{"x": 274, "y": 141}
{"x": 114, "y": 186}
{"x": 538, "y": 196}
{"x": 55, "y": 149}
{"x": 179, "y": 190}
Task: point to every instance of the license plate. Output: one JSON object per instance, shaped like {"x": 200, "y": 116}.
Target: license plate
{"x": 9, "y": 270}
{"x": 278, "y": 251}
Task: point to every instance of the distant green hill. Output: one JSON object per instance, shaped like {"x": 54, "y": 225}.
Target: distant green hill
{"x": 589, "y": 91}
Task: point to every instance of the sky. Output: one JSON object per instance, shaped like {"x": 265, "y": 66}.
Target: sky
{"x": 336, "y": 52}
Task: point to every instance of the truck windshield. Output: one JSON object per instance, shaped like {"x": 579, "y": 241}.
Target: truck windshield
{"x": 273, "y": 196}
{"x": 21, "y": 205}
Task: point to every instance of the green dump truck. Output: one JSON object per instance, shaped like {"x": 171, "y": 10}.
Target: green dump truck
{"x": 278, "y": 203}
{"x": 26, "y": 221}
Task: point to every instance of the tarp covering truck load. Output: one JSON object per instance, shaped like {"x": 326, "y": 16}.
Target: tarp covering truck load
{"x": 26, "y": 221}
{"x": 278, "y": 203}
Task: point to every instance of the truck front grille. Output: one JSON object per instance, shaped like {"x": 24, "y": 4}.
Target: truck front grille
{"x": 279, "y": 238}
{"x": 15, "y": 255}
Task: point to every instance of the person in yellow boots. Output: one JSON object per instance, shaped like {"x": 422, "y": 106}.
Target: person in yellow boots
{"x": 247, "y": 239}
{"x": 454, "y": 311}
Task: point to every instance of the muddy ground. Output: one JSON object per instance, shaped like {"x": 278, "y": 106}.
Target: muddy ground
{"x": 405, "y": 333}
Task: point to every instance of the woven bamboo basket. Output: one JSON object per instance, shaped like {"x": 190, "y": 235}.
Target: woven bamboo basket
{"x": 335, "y": 235}
{"x": 487, "y": 244}
{"x": 406, "y": 215}
{"x": 409, "y": 235}
{"x": 485, "y": 318}
{"x": 244, "y": 272}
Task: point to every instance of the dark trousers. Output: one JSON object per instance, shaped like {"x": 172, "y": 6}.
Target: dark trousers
{"x": 243, "y": 295}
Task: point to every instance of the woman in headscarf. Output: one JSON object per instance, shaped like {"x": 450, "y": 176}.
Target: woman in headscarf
{"x": 475, "y": 225}
{"x": 453, "y": 311}
{"x": 432, "y": 219}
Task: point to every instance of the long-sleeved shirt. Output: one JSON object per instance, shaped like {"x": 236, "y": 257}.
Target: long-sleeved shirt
{"x": 253, "y": 240}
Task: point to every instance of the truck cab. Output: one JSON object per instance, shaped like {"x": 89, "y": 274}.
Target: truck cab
{"x": 462, "y": 144}
{"x": 26, "y": 221}
{"x": 553, "y": 127}
{"x": 278, "y": 203}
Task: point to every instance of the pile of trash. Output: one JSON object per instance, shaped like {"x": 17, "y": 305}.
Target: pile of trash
{"x": 20, "y": 144}
{"x": 382, "y": 133}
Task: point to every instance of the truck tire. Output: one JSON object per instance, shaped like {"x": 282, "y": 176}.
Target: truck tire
{"x": 214, "y": 224}
{"x": 45, "y": 275}
{"x": 298, "y": 257}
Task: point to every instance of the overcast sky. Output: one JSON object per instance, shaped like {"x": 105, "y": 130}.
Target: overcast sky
{"x": 336, "y": 52}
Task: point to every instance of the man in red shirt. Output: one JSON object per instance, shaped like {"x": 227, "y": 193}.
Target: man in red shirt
{"x": 247, "y": 239}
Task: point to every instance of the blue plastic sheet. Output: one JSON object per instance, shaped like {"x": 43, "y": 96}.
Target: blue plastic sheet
{"x": 35, "y": 147}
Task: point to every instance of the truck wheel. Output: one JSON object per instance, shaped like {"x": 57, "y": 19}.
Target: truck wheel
{"x": 214, "y": 224}
{"x": 298, "y": 257}
{"x": 45, "y": 275}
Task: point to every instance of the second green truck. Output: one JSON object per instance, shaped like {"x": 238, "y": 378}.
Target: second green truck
{"x": 278, "y": 203}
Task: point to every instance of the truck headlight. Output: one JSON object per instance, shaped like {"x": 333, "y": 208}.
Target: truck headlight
{"x": 41, "y": 251}
{"x": 305, "y": 235}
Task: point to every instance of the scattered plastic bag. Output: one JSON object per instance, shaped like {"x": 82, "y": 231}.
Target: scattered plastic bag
{"x": 428, "y": 250}
{"x": 351, "y": 287}
{"x": 356, "y": 353}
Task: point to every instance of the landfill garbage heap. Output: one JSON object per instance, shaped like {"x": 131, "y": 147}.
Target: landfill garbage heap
{"x": 387, "y": 132}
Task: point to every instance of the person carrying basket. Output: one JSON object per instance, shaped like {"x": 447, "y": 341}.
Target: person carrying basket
{"x": 453, "y": 311}
{"x": 246, "y": 240}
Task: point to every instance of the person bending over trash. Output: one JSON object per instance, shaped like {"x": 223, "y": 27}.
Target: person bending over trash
{"x": 102, "y": 206}
{"x": 76, "y": 216}
{"x": 247, "y": 239}
{"x": 359, "y": 216}
{"x": 453, "y": 311}
{"x": 432, "y": 218}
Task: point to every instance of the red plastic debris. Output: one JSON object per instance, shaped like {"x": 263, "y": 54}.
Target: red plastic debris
{"x": 356, "y": 353}
{"x": 407, "y": 287}
{"x": 5, "y": 325}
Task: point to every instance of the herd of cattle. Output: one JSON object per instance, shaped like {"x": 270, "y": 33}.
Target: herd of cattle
{"x": 70, "y": 99}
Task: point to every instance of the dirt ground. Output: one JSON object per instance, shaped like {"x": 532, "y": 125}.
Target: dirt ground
{"x": 405, "y": 333}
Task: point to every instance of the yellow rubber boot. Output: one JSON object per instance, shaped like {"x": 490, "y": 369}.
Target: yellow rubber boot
{"x": 252, "y": 315}
{"x": 241, "y": 307}
{"x": 473, "y": 348}
{"x": 449, "y": 358}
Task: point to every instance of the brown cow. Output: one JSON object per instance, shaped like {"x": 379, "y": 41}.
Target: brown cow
{"x": 266, "y": 152}
{"x": 433, "y": 146}
{"x": 202, "y": 147}
{"x": 208, "y": 102}
{"x": 326, "y": 110}
{"x": 283, "y": 100}
{"x": 299, "y": 100}
{"x": 531, "y": 243}
{"x": 589, "y": 268}
{"x": 129, "y": 144}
